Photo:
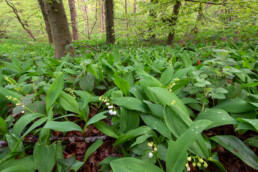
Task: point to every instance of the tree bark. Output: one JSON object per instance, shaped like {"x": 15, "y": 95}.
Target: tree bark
{"x": 59, "y": 27}
{"x": 85, "y": 15}
{"x": 152, "y": 15}
{"x": 126, "y": 17}
{"x": 47, "y": 25}
{"x": 134, "y": 7}
{"x": 173, "y": 21}
{"x": 110, "y": 33}
{"x": 19, "y": 19}
{"x": 73, "y": 15}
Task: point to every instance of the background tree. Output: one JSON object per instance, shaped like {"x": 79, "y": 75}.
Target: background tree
{"x": 73, "y": 15}
{"x": 110, "y": 33}
{"x": 44, "y": 14}
{"x": 59, "y": 27}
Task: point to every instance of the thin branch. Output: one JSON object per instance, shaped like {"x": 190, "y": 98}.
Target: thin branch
{"x": 18, "y": 17}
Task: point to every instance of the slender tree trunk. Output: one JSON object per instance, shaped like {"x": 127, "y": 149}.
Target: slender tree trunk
{"x": 85, "y": 15}
{"x": 126, "y": 17}
{"x": 59, "y": 27}
{"x": 110, "y": 33}
{"x": 152, "y": 15}
{"x": 47, "y": 25}
{"x": 134, "y": 7}
{"x": 199, "y": 17}
{"x": 73, "y": 15}
{"x": 173, "y": 21}
{"x": 19, "y": 19}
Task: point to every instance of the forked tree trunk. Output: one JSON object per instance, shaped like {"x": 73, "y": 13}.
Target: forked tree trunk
{"x": 73, "y": 15}
{"x": 110, "y": 33}
{"x": 59, "y": 27}
{"x": 173, "y": 21}
{"x": 48, "y": 30}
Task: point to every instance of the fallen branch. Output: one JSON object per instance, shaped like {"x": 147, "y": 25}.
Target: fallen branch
{"x": 87, "y": 45}
{"x": 73, "y": 139}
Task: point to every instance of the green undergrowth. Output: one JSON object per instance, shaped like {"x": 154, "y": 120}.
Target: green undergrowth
{"x": 159, "y": 101}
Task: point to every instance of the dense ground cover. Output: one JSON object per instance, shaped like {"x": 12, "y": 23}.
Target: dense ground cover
{"x": 160, "y": 108}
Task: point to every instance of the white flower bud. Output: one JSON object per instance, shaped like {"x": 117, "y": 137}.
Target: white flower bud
{"x": 188, "y": 169}
{"x": 110, "y": 107}
{"x": 110, "y": 112}
{"x": 114, "y": 112}
{"x": 22, "y": 111}
{"x": 107, "y": 104}
{"x": 150, "y": 155}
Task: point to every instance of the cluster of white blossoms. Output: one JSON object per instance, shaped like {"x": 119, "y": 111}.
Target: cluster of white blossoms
{"x": 111, "y": 108}
{"x": 18, "y": 103}
{"x": 154, "y": 149}
{"x": 173, "y": 84}
{"x": 196, "y": 161}
{"x": 71, "y": 92}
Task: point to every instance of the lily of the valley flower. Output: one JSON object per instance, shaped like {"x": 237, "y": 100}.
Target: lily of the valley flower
{"x": 150, "y": 155}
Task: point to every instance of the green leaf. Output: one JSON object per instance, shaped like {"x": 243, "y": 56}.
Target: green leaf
{"x": 24, "y": 121}
{"x": 218, "y": 116}
{"x": 166, "y": 97}
{"x": 89, "y": 151}
{"x": 178, "y": 122}
{"x": 44, "y": 157}
{"x": 132, "y": 164}
{"x": 236, "y": 105}
{"x": 3, "y": 127}
{"x": 128, "y": 120}
{"x": 143, "y": 130}
{"x": 252, "y": 122}
{"x": 130, "y": 103}
{"x": 87, "y": 83}
{"x": 6, "y": 92}
{"x": 54, "y": 91}
{"x": 122, "y": 84}
{"x": 238, "y": 148}
{"x": 106, "y": 129}
{"x": 253, "y": 141}
{"x": 156, "y": 124}
{"x": 177, "y": 151}
{"x": 26, "y": 162}
{"x": 62, "y": 126}
{"x": 218, "y": 164}
{"x": 97, "y": 118}
{"x": 68, "y": 103}
{"x": 167, "y": 75}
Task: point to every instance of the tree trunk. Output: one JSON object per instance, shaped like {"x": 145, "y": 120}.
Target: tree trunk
{"x": 59, "y": 27}
{"x": 110, "y": 33}
{"x": 73, "y": 19}
{"x": 152, "y": 15}
{"x": 134, "y": 7}
{"x": 48, "y": 30}
{"x": 173, "y": 21}
{"x": 126, "y": 17}
{"x": 85, "y": 15}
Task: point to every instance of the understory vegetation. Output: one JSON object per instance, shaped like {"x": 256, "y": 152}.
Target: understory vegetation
{"x": 186, "y": 108}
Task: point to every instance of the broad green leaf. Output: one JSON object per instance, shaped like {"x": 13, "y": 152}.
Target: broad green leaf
{"x": 128, "y": 120}
{"x": 106, "y": 129}
{"x": 68, "y": 102}
{"x": 178, "y": 123}
{"x": 235, "y": 105}
{"x": 218, "y": 164}
{"x": 156, "y": 109}
{"x": 13, "y": 142}
{"x": 166, "y": 97}
{"x": 143, "y": 130}
{"x": 54, "y": 91}
{"x": 167, "y": 75}
{"x": 133, "y": 164}
{"x": 253, "y": 122}
{"x": 27, "y": 162}
{"x": 122, "y": 84}
{"x": 238, "y": 148}
{"x": 97, "y": 118}
{"x": 44, "y": 157}
{"x": 177, "y": 151}
{"x": 62, "y": 126}
{"x": 137, "y": 91}
{"x": 218, "y": 116}
{"x": 6, "y": 92}
{"x": 253, "y": 141}
{"x": 156, "y": 124}
{"x": 130, "y": 103}
{"x": 24, "y": 121}
{"x": 3, "y": 127}
{"x": 87, "y": 83}
{"x": 18, "y": 168}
